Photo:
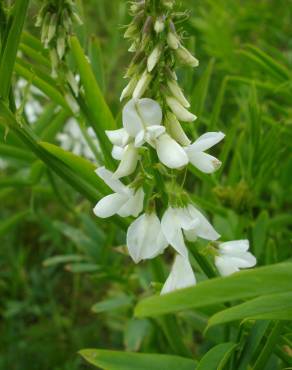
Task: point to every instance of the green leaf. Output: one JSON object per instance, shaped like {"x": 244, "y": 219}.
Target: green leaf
{"x": 11, "y": 46}
{"x": 11, "y": 222}
{"x": 122, "y": 301}
{"x": 81, "y": 166}
{"x": 217, "y": 357}
{"x": 99, "y": 114}
{"x": 79, "y": 268}
{"x": 57, "y": 260}
{"x": 270, "y": 307}
{"x": 115, "y": 360}
{"x": 244, "y": 284}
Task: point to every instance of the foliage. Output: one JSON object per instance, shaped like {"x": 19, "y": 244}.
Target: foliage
{"x": 66, "y": 281}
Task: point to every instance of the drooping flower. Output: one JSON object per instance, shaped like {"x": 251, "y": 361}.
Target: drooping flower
{"x": 233, "y": 256}
{"x": 189, "y": 222}
{"x": 125, "y": 201}
{"x": 195, "y": 152}
{"x": 170, "y": 153}
{"x": 145, "y": 239}
{"x": 181, "y": 275}
{"x": 142, "y": 120}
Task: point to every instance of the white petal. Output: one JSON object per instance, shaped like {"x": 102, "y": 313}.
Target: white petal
{"x": 181, "y": 112}
{"x": 234, "y": 246}
{"x": 170, "y": 225}
{"x": 203, "y": 161}
{"x": 109, "y": 205}
{"x": 142, "y": 238}
{"x": 116, "y": 185}
{"x": 150, "y": 112}
{"x": 225, "y": 266}
{"x": 131, "y": 120}
{"x": 181, "y": 275}
{"x": 204, "y": 230}
{"x": 244, "y": 261}
{"x": 117, "y": 152}
{"x": 128, "y": 162}
{"x": 140, "y": 139}
{"x": 134, "y": 205}
{"x": 191, "y": 235}
{"x": 206, "y": 141}
{"x": 187, "y": 222}
{"x": 170, "y": 153}
{"x": 118, "y": 137}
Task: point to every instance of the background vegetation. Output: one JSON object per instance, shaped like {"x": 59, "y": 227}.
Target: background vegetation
{"x": 66, "y": 282}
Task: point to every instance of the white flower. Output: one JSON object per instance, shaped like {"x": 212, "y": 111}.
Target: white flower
{"x": 142, "y": 120}
{"x": 181, "y": 275}
{"x": 159, "y": 24}
{"x": 179, "y": 110}
{"x": 170, "y": 153}
{"x": 129, "y": 160}
{"x": 203, "y": 161}
{"x": 72, "y": 139}
{"x": 145, "y": 239}
{"x": 189, "y": 220}
{"x": 124, "y": 201}
{"x": 233, "y": 256}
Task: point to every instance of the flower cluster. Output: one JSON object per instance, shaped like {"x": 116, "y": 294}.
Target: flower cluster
{"x": 154, "y": 151}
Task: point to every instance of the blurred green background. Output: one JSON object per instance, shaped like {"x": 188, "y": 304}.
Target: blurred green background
{"x": 242, "y": 87}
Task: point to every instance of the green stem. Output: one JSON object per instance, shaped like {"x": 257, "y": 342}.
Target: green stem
{"x": 205, "y": 265}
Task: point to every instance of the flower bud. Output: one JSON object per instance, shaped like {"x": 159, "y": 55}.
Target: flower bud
{"x": 133, "y": 47}
{"x": 72, "y": 103}
{"x": 72, "y": 82}
{"x": 186, "y": 57}
{"x": 181, "y": 113}
{"x": 45, "y": 28}
{"x": 52, "y": 28}
{"x": 177, "y": 93}
{"x": 154, "y": 58}
{"x": 175, "y": 130}
{"x": 173, "y": 41}
{"x": 131, "y": 31}
{"x": 159, "y": 24}
{"x": 142, "y": 85}
{"x": 128, "y": 90}
{"x": 61, "y": 42}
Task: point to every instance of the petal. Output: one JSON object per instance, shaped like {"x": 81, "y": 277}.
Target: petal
{"x": 206, "y": 141}
{"x": 118, "y": 137}
{"x": 170, "y": 225}
{"x": 128, "y": 162}
{"x": 225, "y": 266}
{"x": 134, "y": 205}
{"x": 191, "y": 235}
{"x": 181, "y": 275}
{"x": 203, "y": 161}
{"x": 109, "y": 205}
{"x": 140, "y": 139}
{"x": 243, "y": 261}
{"x": 234, "y": 247}
{"x": 131, "y": 120}
{"x": 150, "y": 112}
{"x": 117, "y": 152}
{"x": 170, "y": 153}
{"x": 142, "y": 238}
{"x": 116, "y": 185}
{"x": 204, "y": 230}
{"x": 187, "y": 222}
